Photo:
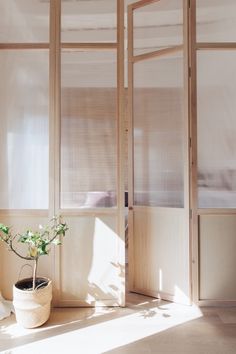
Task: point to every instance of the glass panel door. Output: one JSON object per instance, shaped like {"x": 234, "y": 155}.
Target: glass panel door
{"x": 158, "y": 187}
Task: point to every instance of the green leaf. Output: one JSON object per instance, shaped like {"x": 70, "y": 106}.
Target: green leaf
{"x": 36, "y": 242}
{"x": 4, "y": 229}
{"x": 57, "y": 242}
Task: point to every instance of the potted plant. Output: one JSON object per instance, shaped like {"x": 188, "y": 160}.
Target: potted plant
{"x": 32, "y": 296}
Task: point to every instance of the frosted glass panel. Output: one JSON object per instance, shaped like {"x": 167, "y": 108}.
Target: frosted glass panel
{"x": 24, "y": 21}
{"x": 158, "y": 132}
{"x": 158, "y": 26}
{"x": 216, "y": 129}
{"x": 24, "y": 129}
{"x": 216, "y": 20}
{"x": 89, "y": 21}
{"x": 88, "y": 153}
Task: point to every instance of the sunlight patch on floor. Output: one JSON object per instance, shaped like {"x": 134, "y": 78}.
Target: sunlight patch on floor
{"x": 114, "y": 333}
{"x": 13, "y": 330}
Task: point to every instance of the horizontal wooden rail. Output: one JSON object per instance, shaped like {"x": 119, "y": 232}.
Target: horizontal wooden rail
{"x": 88, "y": 211}
{"x": 88, "y": 46}
{"x": 24, "y": 212}
{"x": 216, "y": 46}
{"x": 141, "y": 3}
{"x": 9, "y": 46}
{"x": 72, "y": 46}
{"x": 216, "y": 211}
{"x": 157, "y": 53}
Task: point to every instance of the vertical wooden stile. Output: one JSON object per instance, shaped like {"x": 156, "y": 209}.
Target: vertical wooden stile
{"x": 130, "y": 146}
{"x": 120, "y": 139}
{"x": 54, "y": 125}
{"x": 193, "y": 150}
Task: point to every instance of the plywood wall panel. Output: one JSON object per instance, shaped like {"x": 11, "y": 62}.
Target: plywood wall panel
{"x": 90, "y": 271}
{"x": 161, "y": 256}
{"x": 217, "y": 237}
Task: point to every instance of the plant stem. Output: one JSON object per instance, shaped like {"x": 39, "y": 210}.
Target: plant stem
{"x": 10, "y": 244}
{"x": 35, "y": 272}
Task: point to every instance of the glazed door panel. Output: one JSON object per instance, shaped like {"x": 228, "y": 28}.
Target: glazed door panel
{"x": 158, "y": 185}
{"x": 61, "y": 108}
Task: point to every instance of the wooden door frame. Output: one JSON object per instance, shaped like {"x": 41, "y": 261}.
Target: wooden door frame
{"x": 118, "y": 212}
{"x": 187, "y": 150}
{"x": 196, "y": 212}
{"x": 54, "y": 46}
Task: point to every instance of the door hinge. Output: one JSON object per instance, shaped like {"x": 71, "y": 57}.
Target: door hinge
{"x": 189, "y": 72}
{"x": 189, "y": 4}
{"x": 190, "y": 213}
{"x": 190, "y": 142}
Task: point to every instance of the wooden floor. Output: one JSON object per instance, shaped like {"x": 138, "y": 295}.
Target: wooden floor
{"x": 146, "y": 325}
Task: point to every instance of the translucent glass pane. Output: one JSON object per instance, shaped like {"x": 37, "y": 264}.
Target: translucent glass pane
{"x": 216, "y": 129}
{"x": 158, "y": 132}
{"x": 158, "y": 26}
{"x": 88, "y": 128}
{"x": 89, "y": 21}
{"x": 24, "y": 129}
{"x": 216, "y": 20}
{"x": 24, "y": 21}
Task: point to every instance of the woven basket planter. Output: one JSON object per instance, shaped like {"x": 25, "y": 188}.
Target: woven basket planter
{"x": 32, "y": 307}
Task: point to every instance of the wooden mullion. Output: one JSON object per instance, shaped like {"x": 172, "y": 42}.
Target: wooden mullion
{"x": 157, "y": 53}
{"x": 216, "y": 46}
{"x": 216, "y": 211}
{"x": 88, "y": 211}
{"x": 24, "y": 212}
{"x": 187, "y": 134}
{"x": 130, "y": 148}
{"x": 142, "y": 3}
{"x": 89, "y": 46}
{"x": 120, "y": 141}
{"x": 18, "y": 46}
{"x": 54, "y": 137}
{"x": 193, "y": 150}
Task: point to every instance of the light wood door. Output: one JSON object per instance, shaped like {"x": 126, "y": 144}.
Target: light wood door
{"x": 62, "y": 146}
{"x": 158, "y": 150}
